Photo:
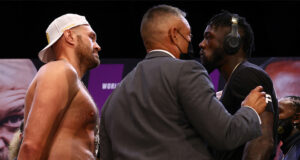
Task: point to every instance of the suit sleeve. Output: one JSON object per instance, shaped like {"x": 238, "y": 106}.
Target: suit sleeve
{"x": 105, "y": 149}
{"x": 207, "y": 115}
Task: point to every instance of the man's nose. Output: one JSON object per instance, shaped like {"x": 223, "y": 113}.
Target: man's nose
{"x": 201, "y": 44}
{"x": 98, "y": 48}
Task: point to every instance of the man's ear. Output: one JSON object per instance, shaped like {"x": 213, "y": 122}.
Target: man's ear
{"x": 69, "y": 37}
{"x": 173, "y": 35}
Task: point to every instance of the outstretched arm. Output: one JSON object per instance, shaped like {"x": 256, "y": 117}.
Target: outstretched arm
{"x": 208, "y": 116}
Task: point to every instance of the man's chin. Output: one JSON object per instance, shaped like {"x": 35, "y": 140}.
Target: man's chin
{"x": 94, "y": 63}
{"x": 208, "y": 66}
{"x": 97, "y": 62}
{"x": 97, "y": 59}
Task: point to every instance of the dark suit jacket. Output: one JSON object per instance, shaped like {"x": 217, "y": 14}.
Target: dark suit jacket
{"x": 166, "y": 109}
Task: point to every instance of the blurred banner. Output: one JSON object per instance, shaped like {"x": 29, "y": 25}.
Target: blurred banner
{"x": 284, "y": 72}
{"x": 16, "y": 75}
{"x": 103, "y": 80}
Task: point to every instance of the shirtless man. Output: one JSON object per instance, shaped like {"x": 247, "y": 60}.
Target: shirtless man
{"x": 61, "y": 119}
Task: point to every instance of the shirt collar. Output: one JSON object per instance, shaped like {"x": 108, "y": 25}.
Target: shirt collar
{"x": 161, "y": 50}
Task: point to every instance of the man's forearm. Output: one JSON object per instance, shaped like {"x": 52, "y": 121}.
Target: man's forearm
{"x": 258, "y": 149}
{"x": 261, "y": 148}
{"x": 28, "y": 151}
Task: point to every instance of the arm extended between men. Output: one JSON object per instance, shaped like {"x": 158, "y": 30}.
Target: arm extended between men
{"x": 219, "y": 129}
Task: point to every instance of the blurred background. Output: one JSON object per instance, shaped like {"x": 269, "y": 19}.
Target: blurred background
{"x": 117, "y": 23}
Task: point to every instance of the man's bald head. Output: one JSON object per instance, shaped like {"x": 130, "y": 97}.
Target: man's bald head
{"x": 157, "y": 21}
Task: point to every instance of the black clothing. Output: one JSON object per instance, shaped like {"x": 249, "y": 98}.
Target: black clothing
{"x": 244, "y": 78}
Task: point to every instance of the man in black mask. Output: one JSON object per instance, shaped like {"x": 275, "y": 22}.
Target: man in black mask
{"x": 228, "y": 42}
{"x": 190, "y": 52}
{"x": 289, "y": 126}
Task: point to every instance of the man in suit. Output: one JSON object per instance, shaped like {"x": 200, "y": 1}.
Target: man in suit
{"x": 166, "y": 108}
{"x": 228, "y": 42}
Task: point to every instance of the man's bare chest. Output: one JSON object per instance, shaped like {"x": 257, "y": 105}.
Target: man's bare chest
{"x": 82, "y": 109}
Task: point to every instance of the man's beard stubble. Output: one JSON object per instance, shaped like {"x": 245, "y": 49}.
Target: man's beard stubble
{"x": 214, "y": 62}
{"x": 86, "y": 55}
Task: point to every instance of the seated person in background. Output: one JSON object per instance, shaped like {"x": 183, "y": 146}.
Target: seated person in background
{"x": 289, "y": 125}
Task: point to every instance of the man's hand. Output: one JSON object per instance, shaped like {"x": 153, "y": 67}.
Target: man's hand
{"x": 256, "y": 100}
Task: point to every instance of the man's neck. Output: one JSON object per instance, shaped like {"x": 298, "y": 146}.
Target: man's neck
{"x": 80, "y": 69}
{"x": 229, "y": 65}
{"x": 163, "y": 46}
{"x": 161, "y": 50}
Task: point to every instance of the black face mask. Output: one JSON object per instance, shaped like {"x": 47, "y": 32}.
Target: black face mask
{"x": 190, "y": 51}
{"x": 189, "y": 54}
{"x": 285, "y": 128}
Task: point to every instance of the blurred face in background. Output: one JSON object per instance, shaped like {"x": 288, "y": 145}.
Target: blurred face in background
{"x": 285, "y": 75}
{"x": 10, "y": 120}
{"x": 289, "y": 117}
{"x": 15, "y": 77}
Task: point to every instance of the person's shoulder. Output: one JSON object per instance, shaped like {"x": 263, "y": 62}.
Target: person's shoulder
{"x": 190, "y": 67}
{"x": 250, "y": 73}
{"x": 185, "y": 62}
{"x": 191, "y": 63}
{"x": 247, "y": 67}
{"x": 58, "y": 69}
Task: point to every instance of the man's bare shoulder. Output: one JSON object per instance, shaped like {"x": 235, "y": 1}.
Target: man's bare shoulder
{"x": 53, "y": 79}
{"x": 57, "y": 70}
{"x": 58, "y": 77}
